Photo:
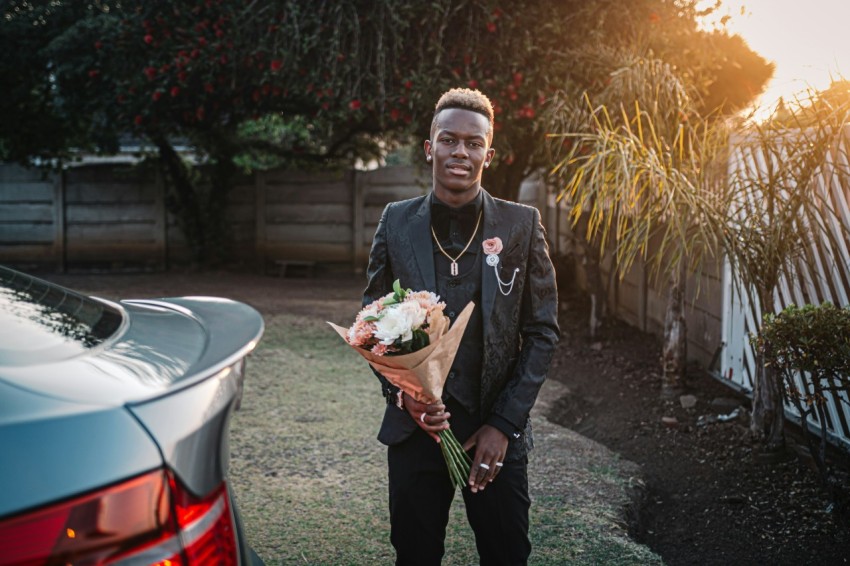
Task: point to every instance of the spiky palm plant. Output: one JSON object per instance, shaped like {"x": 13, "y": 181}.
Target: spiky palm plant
{"x": 641, "y": 178}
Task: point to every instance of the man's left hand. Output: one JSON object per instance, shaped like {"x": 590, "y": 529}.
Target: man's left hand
{"x": 491, "y": 445}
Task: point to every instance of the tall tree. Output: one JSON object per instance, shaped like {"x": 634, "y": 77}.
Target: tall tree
{"x": 320, "y": 79}
{"x": 524, "y": 54}
{"x": 198, "y": 71}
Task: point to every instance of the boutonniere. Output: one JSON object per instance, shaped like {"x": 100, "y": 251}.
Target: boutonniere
{"x": 492, "y": 248}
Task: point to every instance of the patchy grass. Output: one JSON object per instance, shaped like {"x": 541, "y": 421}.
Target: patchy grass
{"x": 311, "y": 478}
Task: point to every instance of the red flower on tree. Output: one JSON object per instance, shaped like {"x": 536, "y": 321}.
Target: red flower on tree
{"x": 175, "y": 91}
{"x": 526, "y": 112}
{"x": 491, "y": 27}
{"x": 354, "y": 104}
{"x": 276, "y": 65}
{"x": 148, "y": 39}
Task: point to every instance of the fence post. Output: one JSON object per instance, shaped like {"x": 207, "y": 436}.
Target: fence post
{"x": 260, "y": 219}
{"x": 358, "y": 221}
{"x": 160, "y": 219}
{"x": 59, "y": 219}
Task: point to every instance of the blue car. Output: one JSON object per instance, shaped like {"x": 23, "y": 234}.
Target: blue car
{"x": 114, "y": 421}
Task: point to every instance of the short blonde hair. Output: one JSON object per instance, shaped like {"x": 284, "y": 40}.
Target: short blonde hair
{"x": 465, "y": 99}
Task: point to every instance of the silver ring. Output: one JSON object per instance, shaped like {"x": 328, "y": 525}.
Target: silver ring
{"x": 485, "y": 466}
{"x": 422, "y": 418}
{"x": 499, "y": 464}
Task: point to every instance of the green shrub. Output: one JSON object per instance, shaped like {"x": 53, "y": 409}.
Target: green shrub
{"x": 812, "y": 342}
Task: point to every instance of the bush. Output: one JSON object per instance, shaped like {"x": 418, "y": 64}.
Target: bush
{"x": 810, "y": 349}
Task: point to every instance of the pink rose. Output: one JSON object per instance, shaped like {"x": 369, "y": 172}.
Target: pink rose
{"x": 380, "y": 349}
{"x": 493, "y": 246}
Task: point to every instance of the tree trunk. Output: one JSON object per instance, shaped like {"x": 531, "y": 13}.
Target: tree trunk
{"x": 216, "y": 227}
{"x": 595, "y": 287}
{"x": 505, "y": 179}
{"x": 200, "y": 208}
{"x": 182, "y": 200}
{"x": 768, "y": 417}
{"x": 674, "y": 357}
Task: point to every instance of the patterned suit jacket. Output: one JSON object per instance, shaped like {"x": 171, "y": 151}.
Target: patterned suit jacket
{"x": 520, "y": 329}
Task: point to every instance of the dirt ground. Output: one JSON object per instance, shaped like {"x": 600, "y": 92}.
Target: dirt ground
{"x": 709, "y": 498}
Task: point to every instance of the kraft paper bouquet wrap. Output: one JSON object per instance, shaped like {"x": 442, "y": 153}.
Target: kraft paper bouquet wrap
{"x": 406, "y": 338}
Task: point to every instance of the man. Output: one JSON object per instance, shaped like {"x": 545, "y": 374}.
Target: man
{"x": 437, "y": 243}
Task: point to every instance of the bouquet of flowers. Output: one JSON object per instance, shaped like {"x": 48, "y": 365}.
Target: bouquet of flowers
{"x": 406, "y": 338}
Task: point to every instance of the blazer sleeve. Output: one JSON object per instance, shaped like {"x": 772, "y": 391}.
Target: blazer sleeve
{"x": 380, "y": 282}
{"x": 538, "y": 328}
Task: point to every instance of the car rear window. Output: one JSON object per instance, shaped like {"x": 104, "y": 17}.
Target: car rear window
{"x": 41, "y": 322}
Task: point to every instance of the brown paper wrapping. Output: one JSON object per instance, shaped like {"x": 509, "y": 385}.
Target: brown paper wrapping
{"x": 421, "y": 374}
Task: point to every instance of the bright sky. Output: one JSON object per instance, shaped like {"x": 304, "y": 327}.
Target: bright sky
{"x": 806, "y": 39}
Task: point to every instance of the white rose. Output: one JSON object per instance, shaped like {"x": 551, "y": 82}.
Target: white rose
{"x": 399, "y": 321}
{"x": 416, "y": 314}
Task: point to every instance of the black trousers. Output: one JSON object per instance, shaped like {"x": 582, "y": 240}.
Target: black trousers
{"x": 421, "y": 493}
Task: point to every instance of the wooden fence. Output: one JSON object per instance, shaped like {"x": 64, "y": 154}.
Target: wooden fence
{"x": 640, "y": 299}
{"x": 114, "y": 217}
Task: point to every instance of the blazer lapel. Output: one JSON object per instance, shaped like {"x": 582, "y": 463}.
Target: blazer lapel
{"x": 420, "y": 241}
{"x": 493, "y": 228}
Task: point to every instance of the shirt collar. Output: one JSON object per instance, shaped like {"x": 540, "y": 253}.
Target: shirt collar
{"x": 442, "y": 212}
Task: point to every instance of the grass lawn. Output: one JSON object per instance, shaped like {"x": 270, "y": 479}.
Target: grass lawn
{"x": 311, "y": 477}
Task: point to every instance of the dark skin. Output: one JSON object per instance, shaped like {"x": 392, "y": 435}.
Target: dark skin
{"x": 459, "y": 150}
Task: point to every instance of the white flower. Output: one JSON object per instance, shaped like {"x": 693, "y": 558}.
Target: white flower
{"x": 399, "y": 321}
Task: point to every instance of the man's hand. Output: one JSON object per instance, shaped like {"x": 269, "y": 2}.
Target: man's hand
{"x": 491, "y": 445}
{"x": 430, "y": 418}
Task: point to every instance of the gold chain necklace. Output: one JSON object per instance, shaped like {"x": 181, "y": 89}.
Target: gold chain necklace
{"x": 454, "y": 270}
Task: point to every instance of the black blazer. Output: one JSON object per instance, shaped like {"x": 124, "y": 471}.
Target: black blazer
{"x": 520, "y": 329}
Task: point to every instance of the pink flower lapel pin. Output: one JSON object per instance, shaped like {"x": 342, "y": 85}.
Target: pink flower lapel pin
{"x": 492, "y": 248}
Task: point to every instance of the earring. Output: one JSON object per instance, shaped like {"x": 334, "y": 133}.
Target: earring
{"x": 487, "y": 165}
{"x": 428, "y": 159}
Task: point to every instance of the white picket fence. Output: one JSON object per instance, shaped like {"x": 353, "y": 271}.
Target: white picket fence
{"x": 824, "y": 276}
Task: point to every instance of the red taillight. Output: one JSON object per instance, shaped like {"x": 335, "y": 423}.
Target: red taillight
{"x": 93, "y": 528}
{"x": 206, "y": 527}
{"x": 150, "y": 519}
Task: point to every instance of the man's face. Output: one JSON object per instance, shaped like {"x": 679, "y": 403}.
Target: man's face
{"x": 459, "y": 149}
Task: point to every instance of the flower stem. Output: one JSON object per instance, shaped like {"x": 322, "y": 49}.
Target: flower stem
{"x": 457, "y": 460}
{"x": 454, "y": 473}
